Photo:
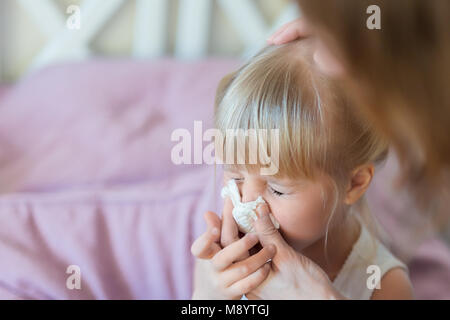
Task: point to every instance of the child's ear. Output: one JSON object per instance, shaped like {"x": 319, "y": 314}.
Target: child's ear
{"x": 360, "y": 179}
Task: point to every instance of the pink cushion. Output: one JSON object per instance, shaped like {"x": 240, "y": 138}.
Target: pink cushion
{"x": 87, "y": 180}
{"x": 130, "y": 242}
{"x": 102, "y": 121}
{"x": 3, "y": 90}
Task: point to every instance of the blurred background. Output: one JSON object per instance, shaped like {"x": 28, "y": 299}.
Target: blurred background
{"x": 34, "y": 33}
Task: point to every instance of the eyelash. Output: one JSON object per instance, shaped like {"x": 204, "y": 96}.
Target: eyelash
{"x": 272, "y": 190}
{"x": 278, "y": 193}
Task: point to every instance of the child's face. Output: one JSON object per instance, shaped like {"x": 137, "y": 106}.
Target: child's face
{"x": 302, "y": 207}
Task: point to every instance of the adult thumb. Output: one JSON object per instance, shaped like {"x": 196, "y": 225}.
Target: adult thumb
{"x": 266, "y": 231}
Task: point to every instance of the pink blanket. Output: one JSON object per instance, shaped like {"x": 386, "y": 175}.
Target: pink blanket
{"x": 87, "y": 180}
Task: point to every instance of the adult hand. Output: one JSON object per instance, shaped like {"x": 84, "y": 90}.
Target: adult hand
{"x": 292, "y": 275}
{"x": 323, "y": 56}
{"x": 291, "y": 31}
{"x": 227, "y": 273}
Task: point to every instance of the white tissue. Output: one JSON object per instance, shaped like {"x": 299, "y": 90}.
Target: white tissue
{"x": 244, "y": 213}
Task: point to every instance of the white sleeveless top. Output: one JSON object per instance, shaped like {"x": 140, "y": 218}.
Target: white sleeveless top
{"x": 352, "y": 279}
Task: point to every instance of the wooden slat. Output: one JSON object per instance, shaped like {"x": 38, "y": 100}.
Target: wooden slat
{"x": 46, "y": 16}
{"x": 193, "y": 28}
{"x": 290, "y": 13}
{"x": 249, "y": 21}
{"x": 151, "y": 25}
{"x": 150, "y": 28}
{"x": 246, "y": 19}
{"x": 49, "y": 20}
{"x": 3, "y": 26}
{"x": 68, "y": 44}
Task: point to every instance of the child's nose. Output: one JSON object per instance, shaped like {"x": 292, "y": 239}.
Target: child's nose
{"x": 250, "y": 192}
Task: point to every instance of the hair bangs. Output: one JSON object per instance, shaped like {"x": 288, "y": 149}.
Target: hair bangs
{"x": 267, "y": 119}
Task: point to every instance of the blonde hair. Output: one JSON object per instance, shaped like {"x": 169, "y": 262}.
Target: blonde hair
{"x": 280, "y": 88}
{"x": 399, "y": 77}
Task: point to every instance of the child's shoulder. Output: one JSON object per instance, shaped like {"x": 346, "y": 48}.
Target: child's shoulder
{"x": 395, "y": 284}
{"x": 371, "y": 271}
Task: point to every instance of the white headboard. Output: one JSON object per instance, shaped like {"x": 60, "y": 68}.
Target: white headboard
{"x": 150, "y": 31}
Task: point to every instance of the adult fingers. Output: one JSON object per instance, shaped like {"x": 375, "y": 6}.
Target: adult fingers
{"x": 213, "y": 223}
{"x": 206, "y": 246}
{"x": 251, "y": 282}
{"x": 230, "y": 231}
{"x": 234, "y": 251}
{"x": 291, "y": 31}
{"x": 279, "y": 31}
{"x": 248, "y": 266}
{"x": 251, "y": 296}
{"x": 266, "y": 231}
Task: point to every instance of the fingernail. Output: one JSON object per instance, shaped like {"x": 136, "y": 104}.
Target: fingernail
{"x": 276, "y": 40}
{"x": 263, "y": 211}
{"x": 215, "y": 231}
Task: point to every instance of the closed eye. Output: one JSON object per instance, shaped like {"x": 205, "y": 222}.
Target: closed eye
{"x": 278, "y": 193}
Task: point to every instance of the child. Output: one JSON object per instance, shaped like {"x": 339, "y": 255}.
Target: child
{"x": 326, "y": 160}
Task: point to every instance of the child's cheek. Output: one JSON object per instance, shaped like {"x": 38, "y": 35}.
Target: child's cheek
{"x": 301, "y": 221}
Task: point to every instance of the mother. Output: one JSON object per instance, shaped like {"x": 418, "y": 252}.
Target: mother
{"x": 398, "y": 76}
